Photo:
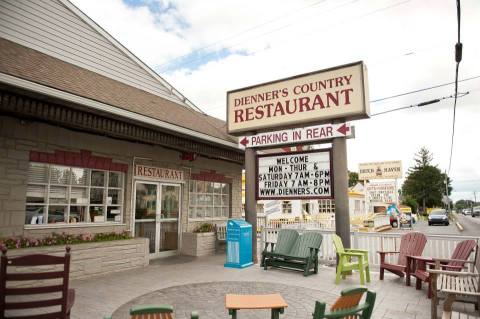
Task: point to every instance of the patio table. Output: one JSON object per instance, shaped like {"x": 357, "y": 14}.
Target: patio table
{"x": 275, "y": 302}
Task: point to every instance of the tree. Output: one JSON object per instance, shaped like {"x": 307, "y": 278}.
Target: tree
{"x": 352, "y": 178}
{"x": 412, "y": 203}
{"x": 425, "y": 183}
{"x": 463, "y": 203}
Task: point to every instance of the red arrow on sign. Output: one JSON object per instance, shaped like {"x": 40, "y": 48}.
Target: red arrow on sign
{"x": 244, "y": 142}
{"x": 343, "y": 129}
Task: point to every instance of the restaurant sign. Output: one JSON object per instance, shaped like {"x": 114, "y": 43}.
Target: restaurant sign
{"x": 335, "y": 93}
{"x": 380, "y": 170}
{"x": 158, "y": 173}
{"x": 300, "y": 175}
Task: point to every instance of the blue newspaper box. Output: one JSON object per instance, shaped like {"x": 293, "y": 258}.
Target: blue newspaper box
{"x": 239, "y": 244}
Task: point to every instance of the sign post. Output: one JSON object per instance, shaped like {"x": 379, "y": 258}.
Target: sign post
{"x": 340, "y": 182}
{"x": 250, "y": 199}
{"x": 336, "y": 94}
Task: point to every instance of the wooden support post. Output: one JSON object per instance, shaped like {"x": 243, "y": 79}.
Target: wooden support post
{"x": 340, "y": 183}
{"x": 250, "y": 198}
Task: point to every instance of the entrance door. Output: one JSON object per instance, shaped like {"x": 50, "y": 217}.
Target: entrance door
{"x": 169, "y": 215}
{"x": 157, "y": 212}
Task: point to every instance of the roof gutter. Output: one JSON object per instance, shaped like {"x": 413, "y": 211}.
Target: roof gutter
{"x": 39, "y": 88}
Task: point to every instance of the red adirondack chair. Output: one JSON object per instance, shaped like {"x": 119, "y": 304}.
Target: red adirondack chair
{"x": 411, "y": 244}
{"x": 48, "y": 288}
{"x": 455, "y": 263}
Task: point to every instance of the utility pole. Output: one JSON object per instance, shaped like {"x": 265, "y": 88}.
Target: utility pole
{"x": 475, "y": 197}
{"x": 446, "y": 191}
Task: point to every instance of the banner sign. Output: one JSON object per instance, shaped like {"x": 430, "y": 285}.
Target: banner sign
{"x": 380, "y": 170}
{"x": 299, "y": 175}
{"x": 335, "y": 93}
{"x": 381, "y": 193}
{"x": 295, "y": 136}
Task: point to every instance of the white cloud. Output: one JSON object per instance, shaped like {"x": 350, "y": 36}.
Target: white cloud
{"x": 407, "y": 45}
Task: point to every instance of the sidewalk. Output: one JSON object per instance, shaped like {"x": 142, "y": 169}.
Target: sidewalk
{"x": 203, "y": 282}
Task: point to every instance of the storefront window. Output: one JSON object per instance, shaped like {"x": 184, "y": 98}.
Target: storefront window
{"x": 209, "y": 200}
{"x": 62, "y": 194}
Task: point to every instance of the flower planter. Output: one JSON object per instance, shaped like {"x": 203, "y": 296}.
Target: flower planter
{"x": 198, "y": 244}
{"x": 97, "y": 258}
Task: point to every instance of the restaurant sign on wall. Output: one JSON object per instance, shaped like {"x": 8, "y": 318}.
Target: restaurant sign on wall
{"x": 300, "y": 175}
{"x": 158, "y": 173}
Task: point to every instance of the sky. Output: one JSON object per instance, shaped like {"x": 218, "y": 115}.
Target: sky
{"x": 205, "y": 48}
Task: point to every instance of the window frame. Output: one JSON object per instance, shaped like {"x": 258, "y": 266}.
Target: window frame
{"x": 87, "y": 187}
{"x": 219, "y": 191}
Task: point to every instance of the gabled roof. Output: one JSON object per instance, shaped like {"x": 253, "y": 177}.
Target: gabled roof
{"x": 57, "y": 48}
{"x": 31, "y": 65}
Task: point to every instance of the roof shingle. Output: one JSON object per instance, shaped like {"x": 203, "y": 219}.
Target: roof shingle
{"x": 32, "y": 65}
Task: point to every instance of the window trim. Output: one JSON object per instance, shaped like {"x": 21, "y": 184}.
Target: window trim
{"x": 228, "y": 194}
{"x": 87, "y": 186}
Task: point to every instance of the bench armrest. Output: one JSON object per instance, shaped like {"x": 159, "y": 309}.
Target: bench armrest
{"x": 447, "y": 260}
{"x": 443, "y": 266}
{"x": 453, "y": 273}
{"x": 351, "y": 254}
{"x": 354, "y": 250}
{"x": 421, "y": 258}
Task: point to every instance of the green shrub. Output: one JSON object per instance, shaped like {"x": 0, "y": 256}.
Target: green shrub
{"x": 60, "y": 239}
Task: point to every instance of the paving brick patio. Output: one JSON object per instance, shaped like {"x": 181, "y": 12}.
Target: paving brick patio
{"x": 190, "y": 283}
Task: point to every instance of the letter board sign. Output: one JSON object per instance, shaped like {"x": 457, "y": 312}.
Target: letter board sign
{"x": 299, "y": 175}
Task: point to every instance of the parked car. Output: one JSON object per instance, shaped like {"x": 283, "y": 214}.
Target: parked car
{"x": 467, "y": 211}
{"x": 476, "y": 211}
{"x": 438, "y": 216}
{"x": 393, "y": 221}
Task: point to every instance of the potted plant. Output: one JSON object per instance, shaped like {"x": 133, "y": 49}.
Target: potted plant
{"x": 200, "y": 242}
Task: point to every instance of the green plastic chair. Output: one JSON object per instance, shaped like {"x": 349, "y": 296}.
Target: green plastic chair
{"x": 154, "y": 311}
{"x": 348, "y": 305}
{"x": 345, "y": 263}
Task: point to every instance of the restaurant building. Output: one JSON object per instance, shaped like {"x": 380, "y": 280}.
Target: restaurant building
{"x": 92, "y": 140}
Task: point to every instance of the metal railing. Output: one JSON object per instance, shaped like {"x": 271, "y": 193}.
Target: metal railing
{"x": 440, "y": 246}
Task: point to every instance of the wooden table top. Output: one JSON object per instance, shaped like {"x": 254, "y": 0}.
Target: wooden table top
{"x": 254, "y": 301}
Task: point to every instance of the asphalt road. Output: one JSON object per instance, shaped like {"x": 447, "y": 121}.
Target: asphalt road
{"x": 471, "y": 227}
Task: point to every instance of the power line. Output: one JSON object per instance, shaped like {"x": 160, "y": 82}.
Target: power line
{"x": 405, "y": 93}
{"x": 424, "y": 89}
{"x": 240, "y": 33}
{"x": 195, "y": 59}
{"x": 458, "y": 59}
{"x": 420, "y": 104}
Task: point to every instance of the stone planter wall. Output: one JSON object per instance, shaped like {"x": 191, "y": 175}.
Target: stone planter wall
{"x": 93, "y": 259}
{"x": 198, "y": 244}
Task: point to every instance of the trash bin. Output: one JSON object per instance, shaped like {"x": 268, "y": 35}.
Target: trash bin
{"x": 239, "y": 244}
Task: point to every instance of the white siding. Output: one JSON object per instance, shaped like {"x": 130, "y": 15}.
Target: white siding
{"x": 51, "y": 28}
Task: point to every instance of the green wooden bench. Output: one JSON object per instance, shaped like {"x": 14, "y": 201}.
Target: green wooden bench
{"x": 293, "y": 251}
